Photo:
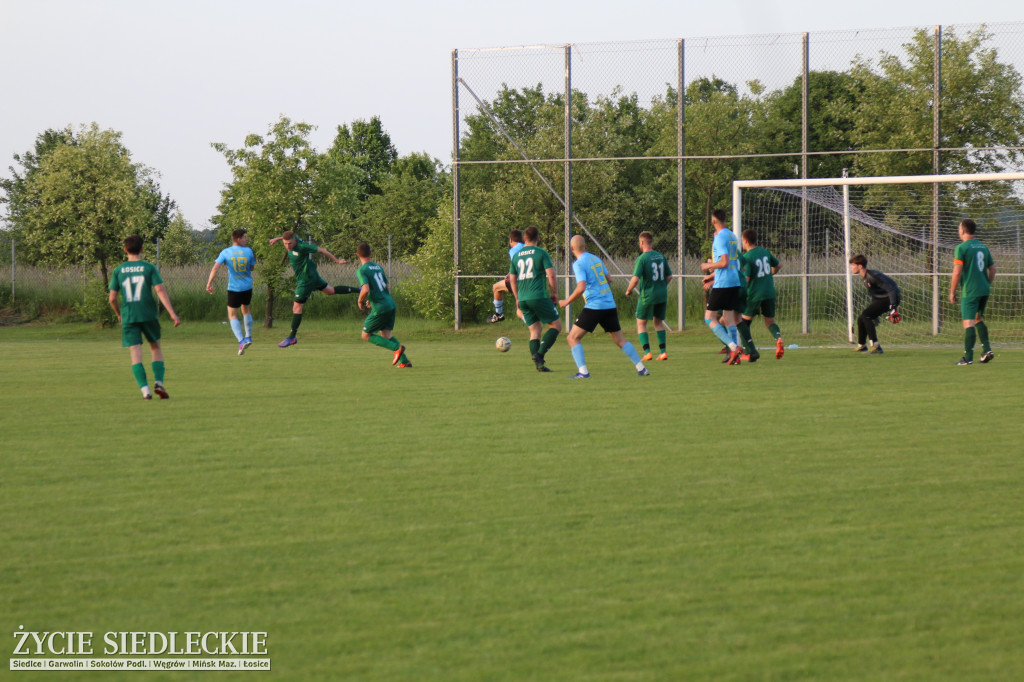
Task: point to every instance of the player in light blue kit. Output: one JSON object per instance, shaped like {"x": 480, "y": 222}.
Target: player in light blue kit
{"x": 592, "y": 283}
{"x": 515, "y": 242}
{"x": 239, "y": 261}
{"x": 725, "y": 292}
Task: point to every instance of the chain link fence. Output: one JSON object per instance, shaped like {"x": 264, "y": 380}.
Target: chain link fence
{"x": 589, "y": 138}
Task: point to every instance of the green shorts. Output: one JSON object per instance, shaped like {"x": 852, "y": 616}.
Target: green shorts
{"x": 973, "y": 308}
{"x": 305, "y": 290}
{"x": 378, "y": 320}
{"x": 538, "y": 309}
{"x": 755, "y": 307}
{"x": 132, "y": 333}
{"x": 649, "y": 311}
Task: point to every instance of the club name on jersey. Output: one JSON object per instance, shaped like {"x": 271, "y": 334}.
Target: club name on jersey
{"x": 133, "y": 268}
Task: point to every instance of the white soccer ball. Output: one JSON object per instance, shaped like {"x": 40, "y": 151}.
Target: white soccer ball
{"x": 503, "y": 344}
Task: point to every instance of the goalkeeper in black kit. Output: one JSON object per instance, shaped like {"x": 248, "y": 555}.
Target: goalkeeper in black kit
{"x": 885, "y": 298}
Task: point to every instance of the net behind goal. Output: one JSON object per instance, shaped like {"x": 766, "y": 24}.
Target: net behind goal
{"x": 906, "y": 227}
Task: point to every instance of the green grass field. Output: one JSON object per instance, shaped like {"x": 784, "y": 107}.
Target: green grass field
{"x": 829, "y": 516}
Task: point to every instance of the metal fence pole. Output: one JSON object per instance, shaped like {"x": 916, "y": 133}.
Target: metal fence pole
{"x": 936, "y": 169}
{"x": 389, "y": 257}
{"x": 805, "y": 255}
{"x": 14, "y": 269}
{"x": 568, "y": 178}
{"x": 456, "y": 207}
{"x": 681, "y": 186}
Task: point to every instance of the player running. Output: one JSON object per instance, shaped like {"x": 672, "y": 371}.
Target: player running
{"x": 974, "y": 270}
{"x": 531, "y": 273}
{"x": 651, "y": 274}
{"x": 375, "y": 297}
{"x": 307, "y": 279}
{"x": 885, "y": 296}
{"x": 239, "y": 261}
{"x": 726, "y": 288}
{"x": 515, "y": 242}
{"x": 759, "y": 267}
{"x": 136, "y": 280}
{"x": 592, "y": 283}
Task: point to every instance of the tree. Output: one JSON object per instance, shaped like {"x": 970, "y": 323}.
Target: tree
{"x": 281, "y": 183}
{"x": 81, "y": 200}
{"x": 179, "y": 245}
{"x": 408, "y": 200}
{"x": 367, "y": 147}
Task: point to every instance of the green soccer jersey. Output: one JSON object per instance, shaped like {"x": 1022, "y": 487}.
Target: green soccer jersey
{"x": 135, "y": 280}
{"x": 653, "y": 271}
{"x": 303, "y": 263}
{"x": 530, "y": 267}
{"x": 757, "y": 265}
{"x": 373, "y": 274}
{"x": 976, "y": 260}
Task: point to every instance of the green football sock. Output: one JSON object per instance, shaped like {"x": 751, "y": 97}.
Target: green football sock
{"x": 547, "y": 341}
{"x": 645, "y": 340}
{"x": 661, "y": 340}
{"x": 158, "y": 371}
{"x": 748, "y": 343}
{"x": 390, "y": 344}
{"x": 776, "y": 332}
{"x": 296, "y": 321}
{"x": 344, "y": 289}
{"x": 140, "y": 374}
{"x": 983, "y": 336}
{"x": 534, "y": 346}
{"x": 969, "y": 338}
{"x": 402, "y": 359}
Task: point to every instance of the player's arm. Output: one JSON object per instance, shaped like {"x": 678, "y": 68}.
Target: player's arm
{"x": 958, "y": 268}
{"x": 161, "y": 293}
{"x": 213, "y": 273}
{"x": 276, "y": 240}
{"x": 552, "y": 284}
{"x": 112, "y": 299}
{"x": 364, "y": 292}
{"x": 992, "y": 273}
{"x": 632, "y": 285}
{"x": 322, "y": 250}
{"x": 722, "y": 262}
{"x": 576, "y": 293}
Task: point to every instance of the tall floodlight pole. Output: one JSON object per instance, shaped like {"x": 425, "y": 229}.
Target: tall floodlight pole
{"x": 681, "y": 188}
{"x": 936, "y": 170}
{"x": 568, "y": 177}
{"x": 456, "y": 199}
{"x": 805, "y": 255}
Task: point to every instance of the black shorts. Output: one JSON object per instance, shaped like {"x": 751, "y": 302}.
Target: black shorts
{"x": 724, "y": 298}
{"x": 608, "y": 319}
{"x": 237, "y": 299}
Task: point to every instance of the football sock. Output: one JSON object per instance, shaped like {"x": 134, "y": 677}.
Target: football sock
{"x": 547, "y": 341}
{"x": 661, "y": 340}
{"x": 982, "y": 330}
{"x": 296, "y": 321}
{"x": 390, "y": 344}
{"x": 969, "y": 339}
{"x": 236, "y": 327}
{"x": 534, "y": 346}
{"x": 631, "y": 353}
{"x": 343, "y": 289}
{"x": 158, "y": 371}
{"x": 578, "y": 356}
{"x": 734, "y": 334}
{"x": 140, "y": 374}
{"x": 248, "y": 326}
{"x": 723, "y": 335}
{"x": 776, "y": 332}
{"x": 402, "y": 359}
{"x": 744, "y": 331}
{"x": 645, "y": 340}
{"x": 499, "y": 307}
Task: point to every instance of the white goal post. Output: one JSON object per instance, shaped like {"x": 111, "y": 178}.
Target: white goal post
{"x": 906, "y": 226}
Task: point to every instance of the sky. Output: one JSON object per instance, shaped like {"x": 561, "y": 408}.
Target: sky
{"x": 176, "y": 75}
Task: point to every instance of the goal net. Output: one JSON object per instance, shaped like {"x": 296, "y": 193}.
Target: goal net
{"x": 906, "y": 227}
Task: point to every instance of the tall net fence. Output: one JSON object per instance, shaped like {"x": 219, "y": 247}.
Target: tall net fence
{"x": 591, "y": 138}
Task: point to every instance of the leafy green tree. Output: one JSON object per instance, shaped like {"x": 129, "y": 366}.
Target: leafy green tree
{"x": 408, "y": 200}
{"x": 81, "y": 200}
{"x": 367, "y": 147}
{"x": 179, "y": 245}
{"x": 281, "y": 183}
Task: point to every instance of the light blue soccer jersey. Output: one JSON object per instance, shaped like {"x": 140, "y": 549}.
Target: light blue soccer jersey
{"x": 726, "y": 243}
{"x": 588, "y": 268}
{"x": 515, "y": 249}
{"x": 239, "y": 261}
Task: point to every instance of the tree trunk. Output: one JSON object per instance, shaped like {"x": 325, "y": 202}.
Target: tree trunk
{"x": 268, "y": 322}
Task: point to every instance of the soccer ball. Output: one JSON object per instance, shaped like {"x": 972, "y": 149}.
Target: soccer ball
{"x": 503, "y": 344}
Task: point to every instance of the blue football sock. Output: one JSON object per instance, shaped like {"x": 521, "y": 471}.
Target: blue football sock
{"x": 631, "y": 353}
{"x": 734, "y": 334}
{"x": 236, "y": 327}
{"x": 578, "y": 356}
{"x": 722, "y": 335}
{"x": 248, "y": 326}
{"x": 499, "y": 307}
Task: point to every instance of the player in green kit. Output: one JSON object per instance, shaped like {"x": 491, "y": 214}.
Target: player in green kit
{"x": 374, "y": 296}
{"x": 136, "y": 280}
{"x": 530, "y": 275}
{"x": 307, "y": 279}
{"x": 759, "y": 266}
{"x": 973, "y": 270}
{"x": 651, "y": 273}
